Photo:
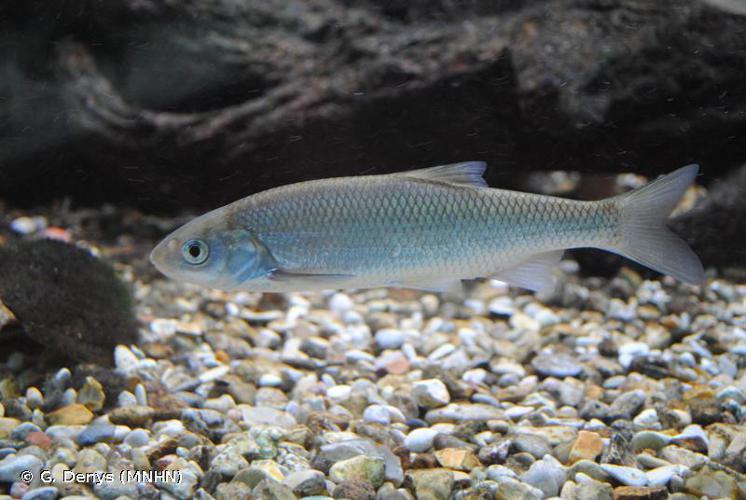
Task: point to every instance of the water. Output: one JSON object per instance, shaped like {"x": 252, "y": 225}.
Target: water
{"x": 121, "y": 121}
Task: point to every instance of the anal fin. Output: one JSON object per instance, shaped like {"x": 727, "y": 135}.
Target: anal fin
{"x": 443, "y": 285}
{"x": 535, "y": 273}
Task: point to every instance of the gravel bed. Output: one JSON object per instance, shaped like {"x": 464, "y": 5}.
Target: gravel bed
{"x": 624, "y": 388}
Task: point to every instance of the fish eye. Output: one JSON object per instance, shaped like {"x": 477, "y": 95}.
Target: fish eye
{"x": 195, "y": 252}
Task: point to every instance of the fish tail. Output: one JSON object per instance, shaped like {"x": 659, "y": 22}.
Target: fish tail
{"x": 646, "y": 239}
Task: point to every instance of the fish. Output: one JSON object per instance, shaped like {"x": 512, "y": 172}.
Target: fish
{"x": 427, "y": 229}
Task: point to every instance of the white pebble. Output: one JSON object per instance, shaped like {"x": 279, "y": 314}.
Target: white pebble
{"x": 339, "y": 393}
{"x": 647, "y": 418}
{"x": 378, "y": 414}
{"x": 474, "y": 376}
{"x": 213, "y": 373}
{"x": 389, "y": 338}
{"x": 137, "y": 438}
{"x": 270, "y": 380}
{"x": 430, "y": 393}
{"x": 501, "y": 306}
{"x": 141, "y": 395}
{"x": 628, "y": 476}
{"x": 441, "y": 352}
{"x": 340, "y": 303}
{"x": 420, "y": 440}
{"x": 660, "y": 476}
{"x": 171, "y": 428}
{"x": 126, "y": 398}
{"x": 125, "y": 360}
{"x": 28, "y": 225}
{"x": 34, "y": 398}
{"x": 631, "y": 350}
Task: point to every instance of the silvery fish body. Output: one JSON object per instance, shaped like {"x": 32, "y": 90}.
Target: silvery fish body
{"x": 425, "y": 229}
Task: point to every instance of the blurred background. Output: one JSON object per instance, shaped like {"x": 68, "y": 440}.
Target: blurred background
{"x": 172, "y": 106}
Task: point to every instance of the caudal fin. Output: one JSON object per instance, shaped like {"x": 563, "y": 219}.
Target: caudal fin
{"x": 646, "y": 238}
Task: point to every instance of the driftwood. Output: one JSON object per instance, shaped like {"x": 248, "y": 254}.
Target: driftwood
{"x": 166, "y": 104}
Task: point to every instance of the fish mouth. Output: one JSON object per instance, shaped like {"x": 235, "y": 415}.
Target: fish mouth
{"x": 158, "y": 254}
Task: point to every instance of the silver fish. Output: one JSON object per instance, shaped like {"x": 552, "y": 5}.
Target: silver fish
{"x": 426, "y": 229}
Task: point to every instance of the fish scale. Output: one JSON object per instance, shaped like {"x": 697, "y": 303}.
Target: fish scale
{"x": 355, "y": 227}
{"x": 425, "y": 229}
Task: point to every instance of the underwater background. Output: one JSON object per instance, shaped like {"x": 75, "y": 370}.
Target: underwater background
{"x": 121, "y": 120}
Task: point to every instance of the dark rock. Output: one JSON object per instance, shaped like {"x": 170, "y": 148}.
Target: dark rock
{"x": 442, "y": 441}
{"x": 594, "y": 409}
{"x": 705, "y": 410}
{"x": 66, "y": 299}
{"x": 495, "y": 453}
{"x": 627, "y": 405}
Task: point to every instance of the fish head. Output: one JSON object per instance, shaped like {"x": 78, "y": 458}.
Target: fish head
{"x": 209, "y": 251}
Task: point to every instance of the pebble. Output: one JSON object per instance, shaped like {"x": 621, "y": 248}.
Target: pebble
{"x": 96, "y": 433}
{"x": 12, "y": 466}
{"x": 389, "y": 338}
{"x": 431, "y": 393}
{"x": 92, "y": 394}
{"x": 627, "y": 405}
{"x": 360, "y": 468}
{"x": 587, "y": 446}
{"x": 74, "y": 414}
{"x": 546, "y": 475}
{"x": 463, "y": 412}
{"x": 34, "y": 398}
{"x": 264, "y": 415}
{"x": 306, "y": 482}
{"x": 660, "y": 476}
{"x": 557, "y": 365}
{"x": 432, "y": 483}
{"x": 420, "y": 440}
{"x": 125, "y": 361}
{"x": 650, "y": 440}
{"x": 457, "y": 459}
{"x": 628, "y": 476}
{"x": 682, "y": 456}
{"x": 383, "y": 414}
{"x": 647, "y": 418}
{"x": 44, "y": 493}
{"x": 341, "y": 303}
{"x": 536, "y": 445}
{"x": 137, "y": 438}
{"x": 28, "y": 225}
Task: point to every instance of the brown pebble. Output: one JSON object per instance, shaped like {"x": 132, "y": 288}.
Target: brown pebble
{"x": 587, "y": 446}
{"x": 134, "y": 416}
{"x": 75, "y": 414}
{"x": 39, "y": 439}
{"x": 457, "y": 458}
{"x": 640, "y": 493}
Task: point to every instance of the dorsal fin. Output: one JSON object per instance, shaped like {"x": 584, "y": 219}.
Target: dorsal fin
{"x": 465, "y": 174}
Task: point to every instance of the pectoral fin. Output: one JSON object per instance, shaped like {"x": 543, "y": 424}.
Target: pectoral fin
{"x": 535, "y": 273}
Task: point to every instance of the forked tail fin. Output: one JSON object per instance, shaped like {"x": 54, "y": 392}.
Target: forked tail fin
{"x": 646, "y": 238}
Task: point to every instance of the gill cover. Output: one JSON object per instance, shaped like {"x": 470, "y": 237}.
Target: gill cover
{"x": 247, "y": 258}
